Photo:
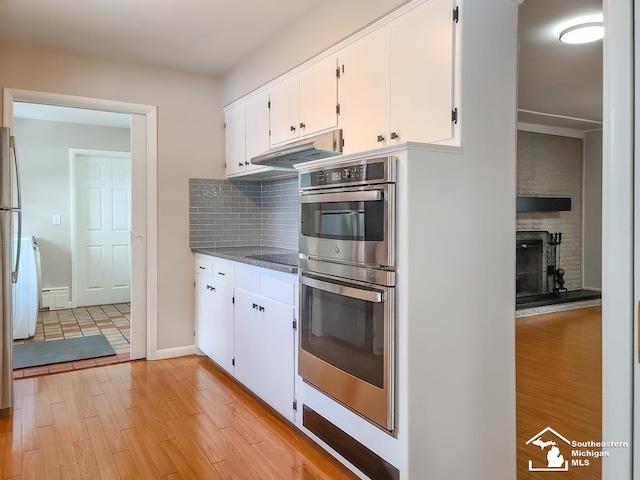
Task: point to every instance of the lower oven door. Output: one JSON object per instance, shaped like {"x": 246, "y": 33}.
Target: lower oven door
{"x": 346, "y": 346}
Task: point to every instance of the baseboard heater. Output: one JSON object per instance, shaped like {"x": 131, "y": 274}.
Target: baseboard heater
{"x": 55, "y": 298}
{"x": 543, "y": 204}
{"x": 368, "y": 462}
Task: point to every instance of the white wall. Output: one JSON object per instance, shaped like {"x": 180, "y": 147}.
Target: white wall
{"x": 44, "y": 169}
{"x": 322, "y": 27}
{"x": 190, "y": 144}
{"x": 592, "y": 216}
{"x": 461, "y": 230}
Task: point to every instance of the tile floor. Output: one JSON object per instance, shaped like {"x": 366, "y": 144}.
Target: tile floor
{"x": 113, "y": 321}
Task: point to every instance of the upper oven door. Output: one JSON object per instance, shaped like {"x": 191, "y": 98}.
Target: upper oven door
{"x": 353, "y": 225}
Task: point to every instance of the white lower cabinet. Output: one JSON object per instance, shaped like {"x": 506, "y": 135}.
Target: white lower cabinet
{"x": 214, "y": 325}
{"x": 248, "y": 332}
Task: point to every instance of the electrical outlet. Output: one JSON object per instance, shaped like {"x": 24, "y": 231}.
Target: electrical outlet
{"x": 56, "y": 219}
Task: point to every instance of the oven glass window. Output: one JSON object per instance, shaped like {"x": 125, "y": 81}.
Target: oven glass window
{"x": 359, "y": 221}
{"x": 345, "y": 332}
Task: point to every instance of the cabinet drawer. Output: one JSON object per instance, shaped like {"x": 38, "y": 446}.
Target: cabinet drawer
{"x": 223, "y": 272}
{"x": 277, "y": 290}
{"x": 247, "y": 280}
{"x": 204, "y": 266}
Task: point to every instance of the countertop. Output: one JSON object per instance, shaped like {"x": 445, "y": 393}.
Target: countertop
{"x": 247, "y": 254}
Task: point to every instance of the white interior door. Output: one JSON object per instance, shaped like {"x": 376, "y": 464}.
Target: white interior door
{"x": 101, "y": 209}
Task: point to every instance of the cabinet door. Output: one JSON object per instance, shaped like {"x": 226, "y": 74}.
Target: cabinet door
{"x": 221, "y": 315}
{"x": 284, "y": 111}
{"x": 204, "y": 312}
{"x": 234, "y": 136}
{"x": 422, "y": 73}
{"x": 318, "y": 97}
{"x": 249, "y": 345}
{"x": 278, "y": 342}
{"x": 364, "y": 92}
{"x": 214, "y": 320}
{"x": 257, "y": 127}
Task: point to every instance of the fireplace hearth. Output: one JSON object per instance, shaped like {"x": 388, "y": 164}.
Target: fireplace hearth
{"x": 539, "y": 275}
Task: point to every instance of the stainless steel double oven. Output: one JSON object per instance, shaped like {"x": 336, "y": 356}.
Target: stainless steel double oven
{"x": 347, "y": 284}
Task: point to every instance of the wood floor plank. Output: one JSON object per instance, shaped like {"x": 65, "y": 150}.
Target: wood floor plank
{"x": 29, "y": 424}
{"x": 147, "y": 468}
{"x": 117, "y": 404}
{"x": 242, "y": 450}
{"x": 17, "y": 395}
{"x": 151, "y": 442}
{"x": 188, "y": 440}
{"x": 100, "y": 444}
{"x": 58, "y": 383}
{"x": 28, "y": 386}
{"x": 189, "y": 466}
{"x": 109, "y": 424}
{"x": 87, "y": 464}
{"x": 77, "y": 427}
{"x": 49, "y": 453}
{"x": 12, "y": 453}
{"x": 83, "y": 392}
{"x": 43, "y": 402}
{"x": 126, "y": 466}
{"x": 70, "y": 472}
{"x": 32, "y": 465}
{"x": 64, "y": 438}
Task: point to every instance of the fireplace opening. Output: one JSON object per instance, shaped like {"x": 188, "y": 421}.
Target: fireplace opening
{"x": 539, "y": 273}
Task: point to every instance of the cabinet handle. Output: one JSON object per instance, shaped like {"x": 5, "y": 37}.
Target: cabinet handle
{"x": 209, "y": 287}
{"x": 302, "y": 125}
{"x": 380, "y": 138}
{"x": 255, "y": 305}
{"x": 220, "y": 273}
{"x": 202, "y": 268}
{"x": 394, "y": 135}
{"x": 240, "y": 164}
{"x": 261, "y": 308}
{"x": 246, "y": 163}
{"x": 293, "y": 128}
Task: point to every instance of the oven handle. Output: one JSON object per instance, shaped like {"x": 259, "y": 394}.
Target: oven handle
{"x": 351, "y": 292}
{"x": 359, "y": 196}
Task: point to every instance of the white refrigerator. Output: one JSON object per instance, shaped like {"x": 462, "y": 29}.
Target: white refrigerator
{"x": 10, "y": 229}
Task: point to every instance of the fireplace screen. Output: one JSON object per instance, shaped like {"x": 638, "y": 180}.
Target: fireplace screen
{"x": 535, "y": 262}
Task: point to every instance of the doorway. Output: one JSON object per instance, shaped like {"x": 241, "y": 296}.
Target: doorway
{"x": 143, "y": 202}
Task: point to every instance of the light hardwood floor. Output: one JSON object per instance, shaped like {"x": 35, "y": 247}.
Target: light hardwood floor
{"x": 559, "y": 385}
{"x": 170, "y": 419}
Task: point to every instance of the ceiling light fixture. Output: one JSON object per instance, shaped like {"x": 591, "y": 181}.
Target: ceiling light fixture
{"x": 585, "y": 33}
{"x": 581, "y": 30}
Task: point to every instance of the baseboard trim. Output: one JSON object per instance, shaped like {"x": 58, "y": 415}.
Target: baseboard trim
{"x": 176, "y": 352}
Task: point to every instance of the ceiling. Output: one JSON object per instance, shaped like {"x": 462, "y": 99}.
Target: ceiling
{"x": 559, "y": 85}
{"x": 207, "y": 36}
{"x": 556, "y": 79}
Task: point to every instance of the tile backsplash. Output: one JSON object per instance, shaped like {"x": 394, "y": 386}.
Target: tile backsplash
{"x": 227, "y": 213}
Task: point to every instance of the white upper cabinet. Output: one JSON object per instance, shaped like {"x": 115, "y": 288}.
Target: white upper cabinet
{"x": 422, "y": 73}
{"x": 257, "y": 127}
{"x": 319, "y": 97}
{"x": 285, "y": 111}
{"x": 364, "y": 92}
{"x": 305, "y": 104}
{"x": 235, "y": 139}
{"x": 392, "y": 85}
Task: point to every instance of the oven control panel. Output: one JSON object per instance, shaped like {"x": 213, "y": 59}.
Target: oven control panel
{"x": 365, "y": 172}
